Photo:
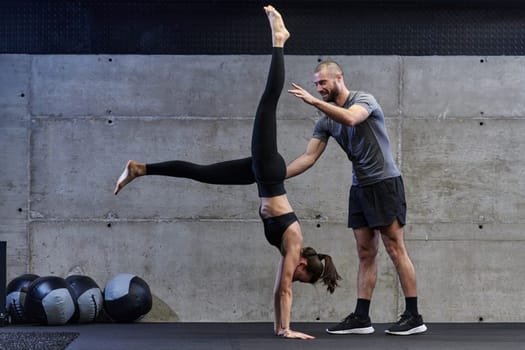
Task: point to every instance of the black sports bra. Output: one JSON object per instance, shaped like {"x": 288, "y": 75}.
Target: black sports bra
{"x": 275, "y": 227}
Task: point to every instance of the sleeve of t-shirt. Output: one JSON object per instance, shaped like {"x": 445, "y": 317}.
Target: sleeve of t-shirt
{"x": 367, "y": 101}
{"x": 321, "y": 130}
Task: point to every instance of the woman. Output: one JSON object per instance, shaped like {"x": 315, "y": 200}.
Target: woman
{"x": 268, "y": 169}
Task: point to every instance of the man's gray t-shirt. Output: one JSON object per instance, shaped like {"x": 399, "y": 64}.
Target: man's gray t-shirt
{"x": 366, "y": 144}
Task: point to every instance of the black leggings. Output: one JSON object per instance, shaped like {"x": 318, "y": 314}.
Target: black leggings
{"x": 265, "y": 166}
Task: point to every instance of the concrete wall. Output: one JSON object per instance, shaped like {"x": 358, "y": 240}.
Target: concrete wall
{"x": 69, "y": 123}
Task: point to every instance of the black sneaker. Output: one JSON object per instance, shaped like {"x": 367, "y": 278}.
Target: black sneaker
{"x": 408, "y": 325}
{"x": 352, "y": 324}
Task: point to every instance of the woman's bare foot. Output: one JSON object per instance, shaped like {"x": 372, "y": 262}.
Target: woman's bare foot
{"x": 132, "y": 170}
{"x": 279, "y": 32}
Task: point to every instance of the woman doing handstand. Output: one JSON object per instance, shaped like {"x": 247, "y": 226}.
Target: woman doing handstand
{"x": 268, "y": 169}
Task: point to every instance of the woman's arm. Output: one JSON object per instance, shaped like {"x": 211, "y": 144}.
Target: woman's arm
{"x": 276, "y": 299}
{"x": 292, "y": 244}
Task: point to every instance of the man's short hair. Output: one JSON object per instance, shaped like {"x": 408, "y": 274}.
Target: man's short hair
{"x": 331, "y": 65}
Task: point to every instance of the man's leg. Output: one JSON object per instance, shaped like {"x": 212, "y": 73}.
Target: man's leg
{"x": 394, "y": 240}
{"x": 358, "y": 322}
{"x": 411, "y": 321}
{"x": 367, "y": 246}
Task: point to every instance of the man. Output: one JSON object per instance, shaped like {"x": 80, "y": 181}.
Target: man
{"x": 377, "y": 206}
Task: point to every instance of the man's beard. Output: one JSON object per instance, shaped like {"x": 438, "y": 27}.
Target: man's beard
{"x": 333, "y": 94}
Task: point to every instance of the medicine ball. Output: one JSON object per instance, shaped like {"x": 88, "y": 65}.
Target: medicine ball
{"x": 127, "y": 298}
{"x": 50, "y": 300}
{"x": 88, "y": 297}
{"x": 16, "y": 294}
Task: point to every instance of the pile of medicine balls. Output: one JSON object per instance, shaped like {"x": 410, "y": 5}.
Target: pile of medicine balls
{"x": 52, "y": 300}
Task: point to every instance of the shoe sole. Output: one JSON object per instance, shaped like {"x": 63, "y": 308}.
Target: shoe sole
{"x": 416, "y": 330}
{"x": 366, "y": 330}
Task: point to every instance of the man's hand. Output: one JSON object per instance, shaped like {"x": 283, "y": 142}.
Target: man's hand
{"x": 304, "y": 95}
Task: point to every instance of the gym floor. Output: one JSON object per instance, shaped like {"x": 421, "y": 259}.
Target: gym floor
{"x": 255, "y": 336}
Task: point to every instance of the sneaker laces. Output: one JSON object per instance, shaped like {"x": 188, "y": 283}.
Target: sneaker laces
{"x": 349, "y": 317}
{"x": 404, "y": 317}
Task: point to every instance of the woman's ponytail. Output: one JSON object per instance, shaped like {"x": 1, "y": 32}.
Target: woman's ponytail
{"x": 327, "y": 271}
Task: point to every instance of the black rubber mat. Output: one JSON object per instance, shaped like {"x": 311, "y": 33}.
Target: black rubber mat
{"x": 36, "y": 340}
{"x": 259, "y": 336}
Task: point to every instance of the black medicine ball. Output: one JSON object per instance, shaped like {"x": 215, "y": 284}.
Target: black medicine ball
{"x": 127, "y": 298}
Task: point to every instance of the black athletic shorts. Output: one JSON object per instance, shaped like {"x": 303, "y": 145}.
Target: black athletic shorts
{"x": 378, "y": 204}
